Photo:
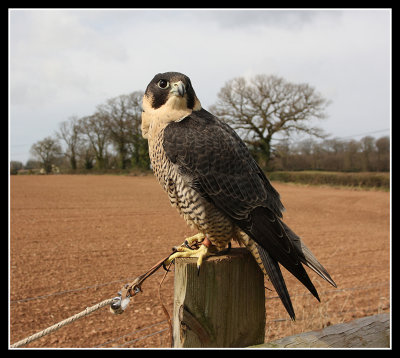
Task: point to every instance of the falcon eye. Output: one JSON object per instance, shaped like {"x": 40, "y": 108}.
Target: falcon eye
{"x": 163, "y": 84}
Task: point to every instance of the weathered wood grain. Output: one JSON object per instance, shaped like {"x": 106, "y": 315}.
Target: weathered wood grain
{"x": 223, "y": 306}
{"x": 366, "y": 332}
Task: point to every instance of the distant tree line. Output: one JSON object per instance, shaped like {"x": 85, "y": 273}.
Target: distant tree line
{"x": 260, "y": 109}
{"x": 367, "y": 155}
{"x": 109, "y": 139}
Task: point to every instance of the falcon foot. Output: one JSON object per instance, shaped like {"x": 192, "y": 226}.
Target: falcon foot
{"x": 202, "y": 249}
{"x": 195, "y": 240}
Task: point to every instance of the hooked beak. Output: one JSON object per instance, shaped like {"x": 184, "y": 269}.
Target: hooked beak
{"x": 178, "y": 88}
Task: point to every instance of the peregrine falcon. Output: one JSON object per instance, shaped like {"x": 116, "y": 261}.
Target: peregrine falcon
{"x": 217, "y": 186}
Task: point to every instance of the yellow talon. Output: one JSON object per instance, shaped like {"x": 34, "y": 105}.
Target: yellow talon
{"x": 196, "y": 239}
{"x": 204, "y": 248}
{"x": 202, "y": 252}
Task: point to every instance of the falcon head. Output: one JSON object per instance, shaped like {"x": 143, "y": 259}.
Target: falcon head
{"x": 169, "y": 97}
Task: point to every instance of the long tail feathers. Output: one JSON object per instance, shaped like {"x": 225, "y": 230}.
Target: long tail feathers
{"x": 275, "y": 275}
{"x": 310, "y": 260}
{"x": 292, "y": 257}
{"x": 306, "y": 256}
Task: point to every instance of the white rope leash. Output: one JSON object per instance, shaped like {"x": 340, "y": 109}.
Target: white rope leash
{"x": 117, "y": 304}
{"x": 58, "y": 325}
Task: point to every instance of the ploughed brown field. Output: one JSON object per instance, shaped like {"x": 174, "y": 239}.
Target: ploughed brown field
{"x": 75, "y": 240}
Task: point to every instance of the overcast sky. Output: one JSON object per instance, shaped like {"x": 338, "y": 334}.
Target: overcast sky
{"x": 64, "y": 63}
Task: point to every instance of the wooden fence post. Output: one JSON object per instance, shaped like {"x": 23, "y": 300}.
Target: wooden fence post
{"x": 223, "y": 306}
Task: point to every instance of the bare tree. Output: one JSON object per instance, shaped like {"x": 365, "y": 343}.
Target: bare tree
{"x": 15, "y": 166}
{"x": 97, "y": 133}
{"x": 122, "y": 116}
{"x": 383, "y": 145}
{"x": 383, "y": 153}
{"x": 138, "y": 146}
{"x": 334, "y": 153}
{"x": 47, "y": 151}
{"x": 351, "y": 161}
{"x": 263, "y": 106}
{"x": 367, "y": 145}
{"x": 283, "y": 153}
{"x": 86, "y": 155}
{"x": 70, "y": 133}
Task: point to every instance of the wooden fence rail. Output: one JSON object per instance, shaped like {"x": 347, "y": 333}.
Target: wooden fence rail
{"x": 365, "y": 332}
{"x": 224, "y": 306}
